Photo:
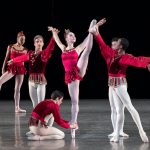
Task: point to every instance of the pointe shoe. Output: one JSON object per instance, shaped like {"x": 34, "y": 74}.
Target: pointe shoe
{"x": 93, "y": 30}
{"x": 144, "y": 137}
{"x": 34, "y": 138}
{"x": 122, "y": 134}
{"x": 93, "y": 22}
{"x": 73, "y": 133}
{"x": 115, "y": 139}
{"x": 20, "y": 111}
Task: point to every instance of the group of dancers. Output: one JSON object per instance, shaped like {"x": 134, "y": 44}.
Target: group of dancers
{"x": 75, "y": 62}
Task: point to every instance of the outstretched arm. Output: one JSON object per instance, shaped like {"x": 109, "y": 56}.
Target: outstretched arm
{"x": 141, "y": 62}
{"x": 56, "y": 37}
{"x": 19, "y": 59}
{"x": 6, "y": 59}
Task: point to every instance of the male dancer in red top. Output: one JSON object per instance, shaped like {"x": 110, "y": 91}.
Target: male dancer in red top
{"x": 45, "y": 111}
{"x": 37, "y": 64}
{"x": 18, "y": 70}
{"x": 117, "y": 62}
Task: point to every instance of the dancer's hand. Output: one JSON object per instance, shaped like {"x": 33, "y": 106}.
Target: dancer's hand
{"x": 101, "y": 22}
{"x": 148, "y": 67}
{"x": 53, "y": 29}
{"x": 10, "y": 62}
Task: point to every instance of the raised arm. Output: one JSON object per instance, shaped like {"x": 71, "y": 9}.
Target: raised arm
{"x": 130, "y": 60}
{"x": 46, "y": 53}
{"x": 105, "y": 49}
{"x": 6, "y": 59}
{"x": 56, "y": 37}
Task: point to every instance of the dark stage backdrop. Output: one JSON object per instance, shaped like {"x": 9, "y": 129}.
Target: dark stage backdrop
{"x": 123, "y": 19}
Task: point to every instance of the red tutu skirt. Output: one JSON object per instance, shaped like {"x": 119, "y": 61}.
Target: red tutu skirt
{"x": 16, "y": 69}
{"x": 72, "y": 75}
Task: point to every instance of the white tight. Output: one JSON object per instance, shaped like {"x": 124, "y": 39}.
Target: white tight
{"x": 121, "y": 97}
{"x": 18, "y": 83}
{"x": 36, "y": 92}
{"x": 116, "y": 111}
{"x": 73, "y": 87}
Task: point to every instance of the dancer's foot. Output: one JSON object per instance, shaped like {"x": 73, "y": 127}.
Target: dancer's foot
{"x": 94, "y": 30}
{"x": 30, "y": 134}
{"x": 121, "y": 134}
{"x": 19, "y": 110}
{"x": 34, "y": 138}
{"x": 93, "y": 22}
{"x": 144, "y": 137}
{"x": 115, "y": 139}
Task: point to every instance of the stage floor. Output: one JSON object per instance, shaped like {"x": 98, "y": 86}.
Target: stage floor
{"x": 94, "y": 126}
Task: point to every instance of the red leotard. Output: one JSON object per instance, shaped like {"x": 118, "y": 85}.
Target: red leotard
{"x": 69, "y": 60}
{"x": 17, "y": 68}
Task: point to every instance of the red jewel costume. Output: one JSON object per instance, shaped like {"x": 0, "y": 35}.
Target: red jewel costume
{"x": 69, "y": 60}
{"x": 45, "y": 108}
{"x": 17, "y": 68}
{"x": 118, "y": 63}
{"x": 37, "y": 62}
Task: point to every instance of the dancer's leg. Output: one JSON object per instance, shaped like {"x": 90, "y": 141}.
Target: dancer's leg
{"x": 18, "y": 84}
{"x": 46, "y": 133}
{"x": 112, "y": 98}
{"x": 73, "y": 88}
{"x": 119, "y": 117}
{"x": 113, "y": 110}
{"x": 33, "y": 93}
{"x": 5, "y": 77}
{"x": 84, "y": 58}
{"x": 41, "y": 90}
{"x": 124, "y": 96}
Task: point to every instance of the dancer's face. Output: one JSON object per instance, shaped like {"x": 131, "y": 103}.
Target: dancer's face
{"x": 21, "y": 40}
{"x": 38, "y": 43}
{"x": 70, "y": 38}
{"x": 59, "y": 101}
{"x": 115, "y": 45}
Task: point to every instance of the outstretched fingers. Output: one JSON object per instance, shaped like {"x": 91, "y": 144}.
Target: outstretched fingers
{"x": 101, "y": 22}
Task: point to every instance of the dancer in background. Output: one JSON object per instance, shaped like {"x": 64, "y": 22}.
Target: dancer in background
{"x": 117, "y": 62}
{"x": 38, "y": 59}
{"x": 43, "y": 116}
{"x": 75, "y": 68}
{"x": 15, "y": 70}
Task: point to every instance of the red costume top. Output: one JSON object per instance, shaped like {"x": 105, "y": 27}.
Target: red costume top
{"x": 69, "y": 60}
{"x": 48, "y": 107}
{"x": 17, "y": 68}
{"x": 37, "y": 62}
{"x": 118, "y": 63}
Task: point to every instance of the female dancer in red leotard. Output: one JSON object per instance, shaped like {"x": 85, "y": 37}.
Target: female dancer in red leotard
{"x": 18, "y": 70}
{"x": 75, "y": 68}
